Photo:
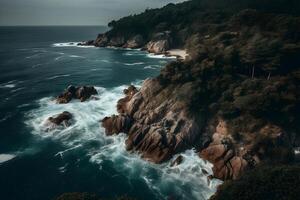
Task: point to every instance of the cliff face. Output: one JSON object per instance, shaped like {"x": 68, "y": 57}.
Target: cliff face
{"x": 236, "y": 100}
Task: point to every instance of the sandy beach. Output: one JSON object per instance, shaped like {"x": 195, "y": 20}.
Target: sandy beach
{"x": 179, "y": 53}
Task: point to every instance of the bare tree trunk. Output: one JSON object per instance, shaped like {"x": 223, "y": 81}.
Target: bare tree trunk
{"x": 253, "y": 71}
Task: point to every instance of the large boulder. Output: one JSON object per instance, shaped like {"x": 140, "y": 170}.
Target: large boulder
{"x": 85, "y": 92}
{"x": 82, "y": 93}
{"x": 160, "y": 43}
{"x": 62, "y": 120}
{"x": 158, "y": 47}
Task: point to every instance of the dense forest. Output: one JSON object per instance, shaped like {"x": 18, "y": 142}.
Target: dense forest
{"x": 186, "y": 17}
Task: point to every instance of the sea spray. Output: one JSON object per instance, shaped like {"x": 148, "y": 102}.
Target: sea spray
{"x": 185, "y": 181}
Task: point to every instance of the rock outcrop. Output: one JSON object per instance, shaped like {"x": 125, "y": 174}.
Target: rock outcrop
{"x": 160, "y": 43}
{"x": 159, "y": 128}
{"x": 82, "y": 93}
{"x": 63, "y": 120}
{"x": 135, "y": 42}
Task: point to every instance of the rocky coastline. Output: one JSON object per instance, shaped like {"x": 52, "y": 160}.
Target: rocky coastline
{"x": 235, "y": 99}
{"x": 226, "y": 129}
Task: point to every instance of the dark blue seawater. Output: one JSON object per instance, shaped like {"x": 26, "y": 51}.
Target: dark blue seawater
{"x": 36, "y": 64}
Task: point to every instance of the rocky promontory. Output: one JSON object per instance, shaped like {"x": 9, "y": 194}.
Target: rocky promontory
{"x": 236, "y": 100}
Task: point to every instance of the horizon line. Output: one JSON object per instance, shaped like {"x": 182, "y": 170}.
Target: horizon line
{"x": 48, "y": 25}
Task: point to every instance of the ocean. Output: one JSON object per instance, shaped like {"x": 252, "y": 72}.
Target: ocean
{"x": 36, "y": 65}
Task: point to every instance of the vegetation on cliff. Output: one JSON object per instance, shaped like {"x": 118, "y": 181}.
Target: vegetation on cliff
{"x": 236, "y": 99}
{"x": 187, "y": 18}
{"x": 268, "y": 182}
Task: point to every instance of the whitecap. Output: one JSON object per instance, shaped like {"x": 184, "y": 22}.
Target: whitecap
{"x": 8, "y": 86}
{"x": 23, "y": 105}
{"x": 6, "y": 157}
{"x": 18, "y": 89}
{"x": 71, "y": 44}
{"x": 63, "y": 169}
{"x": 58, "y": 58}
{"x": 132, "y": 64}
{"x": 75, "y": 56}
{"x": 34, "y": 56}
{"x": 58, "y": 76}
{"x": 152, "y": 67}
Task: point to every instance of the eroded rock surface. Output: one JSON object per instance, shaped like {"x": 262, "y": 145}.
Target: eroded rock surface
{"x": 82, "y": 93}
{"x": 60, "y": 120}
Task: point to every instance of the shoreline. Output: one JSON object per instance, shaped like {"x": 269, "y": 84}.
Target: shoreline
{"x": 180, "y": 54}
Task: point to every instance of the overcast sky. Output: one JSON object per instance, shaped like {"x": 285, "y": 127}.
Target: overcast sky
{"x": 71, "y": 12}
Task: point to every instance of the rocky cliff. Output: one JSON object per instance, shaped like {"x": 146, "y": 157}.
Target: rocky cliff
{"x": 236, "y": 100}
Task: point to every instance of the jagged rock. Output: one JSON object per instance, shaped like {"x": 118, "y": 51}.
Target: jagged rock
{"x": 158, "y": 47}
{"x": 101, "y": 41}
{"x": 87, "y": 43}
{"x": 60, "y": 120}
{"x": 159, "y": 129}
{"x": 85, "y": 92}
{"x": 135, "y": 42}
{"x": 177, "y": 161}
{"x": 82, "y": 93}
{"x": 116, "y": 124}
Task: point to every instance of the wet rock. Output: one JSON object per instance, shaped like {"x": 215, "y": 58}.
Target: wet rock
{"x": 158, "y": 130}
{"x": 177, "y": 161}
{"x": 82, "y": 93}
{"x": 87, "y": 43}
{"x": 116, "y": 124}
{"x": 85, "y": 92}
{"x": 60, "y": 120}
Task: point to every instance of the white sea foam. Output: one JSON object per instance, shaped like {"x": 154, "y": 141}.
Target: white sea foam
{"x": 75, "y": 56}
{"x": 6, "y": 157}
{"x": 10, "y": 84}
{"x": 132, "y": 64}
{"x": 70, "y": 44}
{"x": 34, "y": 56}
{"x": 185, "y": 180}
{"x": 58, "y": 76}
{"x": 152, "y": 67}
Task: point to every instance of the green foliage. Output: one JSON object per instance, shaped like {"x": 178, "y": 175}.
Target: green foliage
{"x": 187, "y": 15}
{"x": 268, "y": 183}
